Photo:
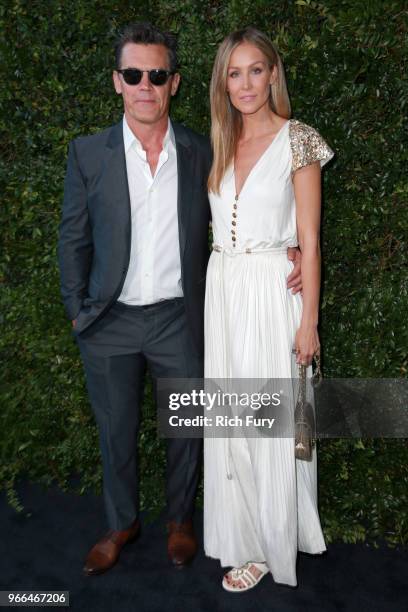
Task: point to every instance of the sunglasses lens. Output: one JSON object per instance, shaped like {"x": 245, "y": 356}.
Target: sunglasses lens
{"x": 158, "y": 77}
{"x": 132, "y": 76}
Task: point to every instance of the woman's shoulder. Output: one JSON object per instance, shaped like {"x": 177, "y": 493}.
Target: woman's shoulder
{"x": 307, "y": 145}
{"x": 302, "y": 131}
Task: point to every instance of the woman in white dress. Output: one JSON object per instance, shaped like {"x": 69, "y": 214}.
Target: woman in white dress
{"x": 260, "y": 504}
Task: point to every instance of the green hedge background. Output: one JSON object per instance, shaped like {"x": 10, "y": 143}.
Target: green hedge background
{"x": 346, "y": 70}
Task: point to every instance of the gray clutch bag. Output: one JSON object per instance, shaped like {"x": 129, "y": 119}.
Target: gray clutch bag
{"x": 305, "y": 424}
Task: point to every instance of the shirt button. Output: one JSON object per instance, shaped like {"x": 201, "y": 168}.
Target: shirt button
{"x": 234, "y": 223}
{"x": 233, "y": 239}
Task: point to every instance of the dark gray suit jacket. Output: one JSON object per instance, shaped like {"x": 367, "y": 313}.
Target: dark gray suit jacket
{"x": 95, "y": 231}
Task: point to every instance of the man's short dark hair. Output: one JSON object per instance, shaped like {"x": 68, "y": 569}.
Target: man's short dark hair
{"x": 146, "y": 34}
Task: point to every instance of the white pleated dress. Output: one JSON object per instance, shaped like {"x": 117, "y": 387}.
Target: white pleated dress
{"x": 260, "y": 503}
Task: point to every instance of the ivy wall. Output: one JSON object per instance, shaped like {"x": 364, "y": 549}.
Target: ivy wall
{"x": 346, "y": 70}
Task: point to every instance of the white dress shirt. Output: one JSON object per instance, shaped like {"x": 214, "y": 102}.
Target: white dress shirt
{"x": 154, "y": 272}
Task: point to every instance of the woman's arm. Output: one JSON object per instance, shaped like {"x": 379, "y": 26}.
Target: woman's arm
{"x": 307, "y": 189}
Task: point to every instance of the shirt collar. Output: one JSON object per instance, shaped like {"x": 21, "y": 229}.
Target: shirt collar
{"x": 130, "y": 139}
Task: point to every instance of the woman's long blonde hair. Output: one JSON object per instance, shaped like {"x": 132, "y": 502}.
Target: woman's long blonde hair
{"x": 226, "y": 120}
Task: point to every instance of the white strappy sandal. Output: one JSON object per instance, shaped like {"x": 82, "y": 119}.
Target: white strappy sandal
{"x": 245, "y": 576}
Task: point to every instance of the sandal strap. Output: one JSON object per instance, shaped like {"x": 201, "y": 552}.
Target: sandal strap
{"x": 237, "y": 572}
{"x": 261, "y": 566}
{"x": 245, "y": 575}
{"x": 248, "y": 578}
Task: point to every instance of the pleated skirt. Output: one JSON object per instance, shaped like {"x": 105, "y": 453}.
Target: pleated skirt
{"x": 265, "y": 509}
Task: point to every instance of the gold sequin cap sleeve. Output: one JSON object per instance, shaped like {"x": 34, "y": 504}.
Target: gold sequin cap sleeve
{"x": 307, "y": 145}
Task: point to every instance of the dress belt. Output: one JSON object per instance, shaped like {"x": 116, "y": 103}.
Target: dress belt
{"x": 232, "y": 251}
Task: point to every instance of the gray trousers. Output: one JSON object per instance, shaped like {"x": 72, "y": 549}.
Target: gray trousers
{"x": 115, "y": 351}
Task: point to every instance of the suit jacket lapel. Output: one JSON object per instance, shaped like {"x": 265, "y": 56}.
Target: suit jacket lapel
{"x": 115, "y": 175}
{"x": 185, "y": 168}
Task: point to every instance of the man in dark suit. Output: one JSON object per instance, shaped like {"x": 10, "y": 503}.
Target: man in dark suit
{"x": 133, "y": 252}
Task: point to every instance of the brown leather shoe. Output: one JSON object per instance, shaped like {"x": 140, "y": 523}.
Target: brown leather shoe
{"x": 106, "y": 552}
{"x": 181, "y": 543}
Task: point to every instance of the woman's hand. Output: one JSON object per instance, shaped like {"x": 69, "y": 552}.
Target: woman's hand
{"x": 306, "y": 344}
{"x": 294, "y": 280}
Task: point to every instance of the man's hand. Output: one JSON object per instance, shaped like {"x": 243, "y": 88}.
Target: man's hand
{"x": 74, "y": 323}
{"x": 294, "y": 280}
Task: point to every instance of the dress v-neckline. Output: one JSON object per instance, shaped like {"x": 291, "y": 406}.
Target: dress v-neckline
{"x": 237, "y": 195}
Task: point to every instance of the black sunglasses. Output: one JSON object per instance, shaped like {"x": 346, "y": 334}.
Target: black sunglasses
{"x": 157, "y": 76}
